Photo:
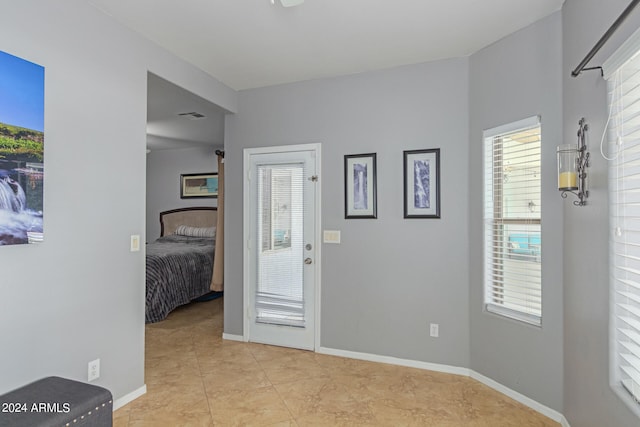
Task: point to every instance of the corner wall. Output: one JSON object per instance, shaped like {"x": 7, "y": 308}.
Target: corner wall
{"x": 391, "y": 276}
{"x": 515, "y": 78}
{"x": 589, "y": 400}
{"x": 164, "y": 168}
{"x": 79, "y": 295}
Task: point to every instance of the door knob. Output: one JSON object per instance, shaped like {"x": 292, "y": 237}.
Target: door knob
{"x": 307, "y": 261}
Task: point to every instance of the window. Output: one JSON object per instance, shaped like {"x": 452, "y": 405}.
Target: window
{"x": 276, "y": 209}
{"x": 279, "y": 295}
{"x": 513, "y": 244}
{"x": 623, "y": 74}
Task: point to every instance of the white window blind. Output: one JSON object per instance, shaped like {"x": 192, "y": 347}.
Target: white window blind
{"x": 279, "y": 291}
{"x": 512, "y": 214}
{"x": 624, "y": 187}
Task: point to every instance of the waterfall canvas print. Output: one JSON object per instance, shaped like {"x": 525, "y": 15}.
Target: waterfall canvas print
{"x": 21, "y": 150}
{"x": 360, "y": 199}
{"x": 422, "y": 183}
{"x": 360, "y": 186}
{"x": 421, "y": 179}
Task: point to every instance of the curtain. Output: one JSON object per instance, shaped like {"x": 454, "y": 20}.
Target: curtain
{"x": 217, "y": 283}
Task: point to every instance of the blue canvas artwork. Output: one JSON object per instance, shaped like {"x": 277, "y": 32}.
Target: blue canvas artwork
{"x": 21, "y": 150}
{"x": 421, "y": 181}
{"x": 212, "y": 185}
{"x": 360, "y": 199}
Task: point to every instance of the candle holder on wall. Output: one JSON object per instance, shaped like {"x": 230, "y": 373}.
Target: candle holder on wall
{"x": 573, "y": 160}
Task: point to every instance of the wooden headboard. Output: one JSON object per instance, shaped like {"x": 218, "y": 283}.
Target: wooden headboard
{"x": 196, "y": 217}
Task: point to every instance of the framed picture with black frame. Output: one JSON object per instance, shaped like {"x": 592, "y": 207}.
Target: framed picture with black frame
{"x": 360, "y": 188}
{"x": 422, "y": 183}
{"x": 198, "y": 185}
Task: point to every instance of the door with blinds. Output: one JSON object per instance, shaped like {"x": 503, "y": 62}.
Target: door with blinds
{"x": 281, "y": 246}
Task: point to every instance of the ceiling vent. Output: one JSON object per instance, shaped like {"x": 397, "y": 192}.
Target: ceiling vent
{"x": 193, "y": 115}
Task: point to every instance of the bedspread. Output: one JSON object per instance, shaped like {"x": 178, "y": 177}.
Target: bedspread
{"x": 179, "y": 269}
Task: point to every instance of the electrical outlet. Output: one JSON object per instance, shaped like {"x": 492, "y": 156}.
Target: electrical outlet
{"x": 434, "y": 330}
{"x": 94, "y": 370}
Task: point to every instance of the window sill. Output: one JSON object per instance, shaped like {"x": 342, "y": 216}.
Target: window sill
{"x": 529, "y": 319}
{"x": 626, "y": 397}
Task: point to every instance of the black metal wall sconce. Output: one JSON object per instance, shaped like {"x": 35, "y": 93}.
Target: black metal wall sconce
{"x": 573, "y": 160}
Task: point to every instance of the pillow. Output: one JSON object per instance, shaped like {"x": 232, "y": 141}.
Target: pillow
{"x": 187, "y": 230}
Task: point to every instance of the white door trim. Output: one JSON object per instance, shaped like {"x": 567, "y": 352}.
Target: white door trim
{"x": 246, "y": 226}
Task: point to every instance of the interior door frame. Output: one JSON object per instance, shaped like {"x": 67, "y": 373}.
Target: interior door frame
{"x": 315, "y": 148}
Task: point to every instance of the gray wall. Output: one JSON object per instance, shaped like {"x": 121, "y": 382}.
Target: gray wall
{"x": 588, "y": 399}
{"x": 515, "y": 78}
{"x": 163, "y": 181}
{"x": 80, "y": 294}
{"x": 390, "y": 276}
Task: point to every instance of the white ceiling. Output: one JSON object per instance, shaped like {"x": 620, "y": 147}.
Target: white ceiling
{"x": 253, "y": 43}
{"x": 168, "y": 129}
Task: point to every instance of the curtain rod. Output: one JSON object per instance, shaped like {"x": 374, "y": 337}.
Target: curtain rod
{"x": 603, "y": 40}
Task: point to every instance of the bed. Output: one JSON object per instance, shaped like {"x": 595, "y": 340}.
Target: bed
{"x": 179, "y": 264}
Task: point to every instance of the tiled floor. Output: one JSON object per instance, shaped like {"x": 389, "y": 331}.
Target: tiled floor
{"x": 194, "y": 378}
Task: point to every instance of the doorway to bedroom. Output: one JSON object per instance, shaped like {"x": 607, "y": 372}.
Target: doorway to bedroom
{"x": 184, "y": 132}
{"x": 281, "y": 225}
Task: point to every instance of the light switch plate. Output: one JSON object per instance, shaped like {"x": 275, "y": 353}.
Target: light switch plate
{"x": 135, "y": 243}
{"x": 331, "y": 236}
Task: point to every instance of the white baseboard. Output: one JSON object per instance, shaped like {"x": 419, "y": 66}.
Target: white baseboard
{"x": 395, "y": 361}
{"x": 130, "y": 397}
{"x": 232, "y": 337}
{"x": 536, "y": 406}
{"x": 519, "y": 397}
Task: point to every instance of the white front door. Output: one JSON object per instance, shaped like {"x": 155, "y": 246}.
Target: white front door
{"x": 281, "y": 258}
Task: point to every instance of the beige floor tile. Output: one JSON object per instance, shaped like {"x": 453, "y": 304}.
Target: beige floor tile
{"x": 322, "y": 400}
{"x": 398, "y": 412}
{"x": 363, "y": 388}
{"x": 341, "y": 365}
{"x": 176, "y": 398}
{"x": 156, "y": 343}
{"x": 532, "y": 420}
{"x": 168, "y": 418}
{"x": 225, "y": 355}
{"x": 258, "y": 407}
{"x": 264, "y": 352}
{"x": 292, "y": 368}
{"x": 121, "y": 417}
{"x": 288, "y": 423}
{"x": 234, "y": 379}
{"x": 331, "y": 420}
{"x": 171, "y": 368}
{"x": 195, "y": 378}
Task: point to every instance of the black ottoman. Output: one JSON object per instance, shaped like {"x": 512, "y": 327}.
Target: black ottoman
{"x": 55, "y": 401}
